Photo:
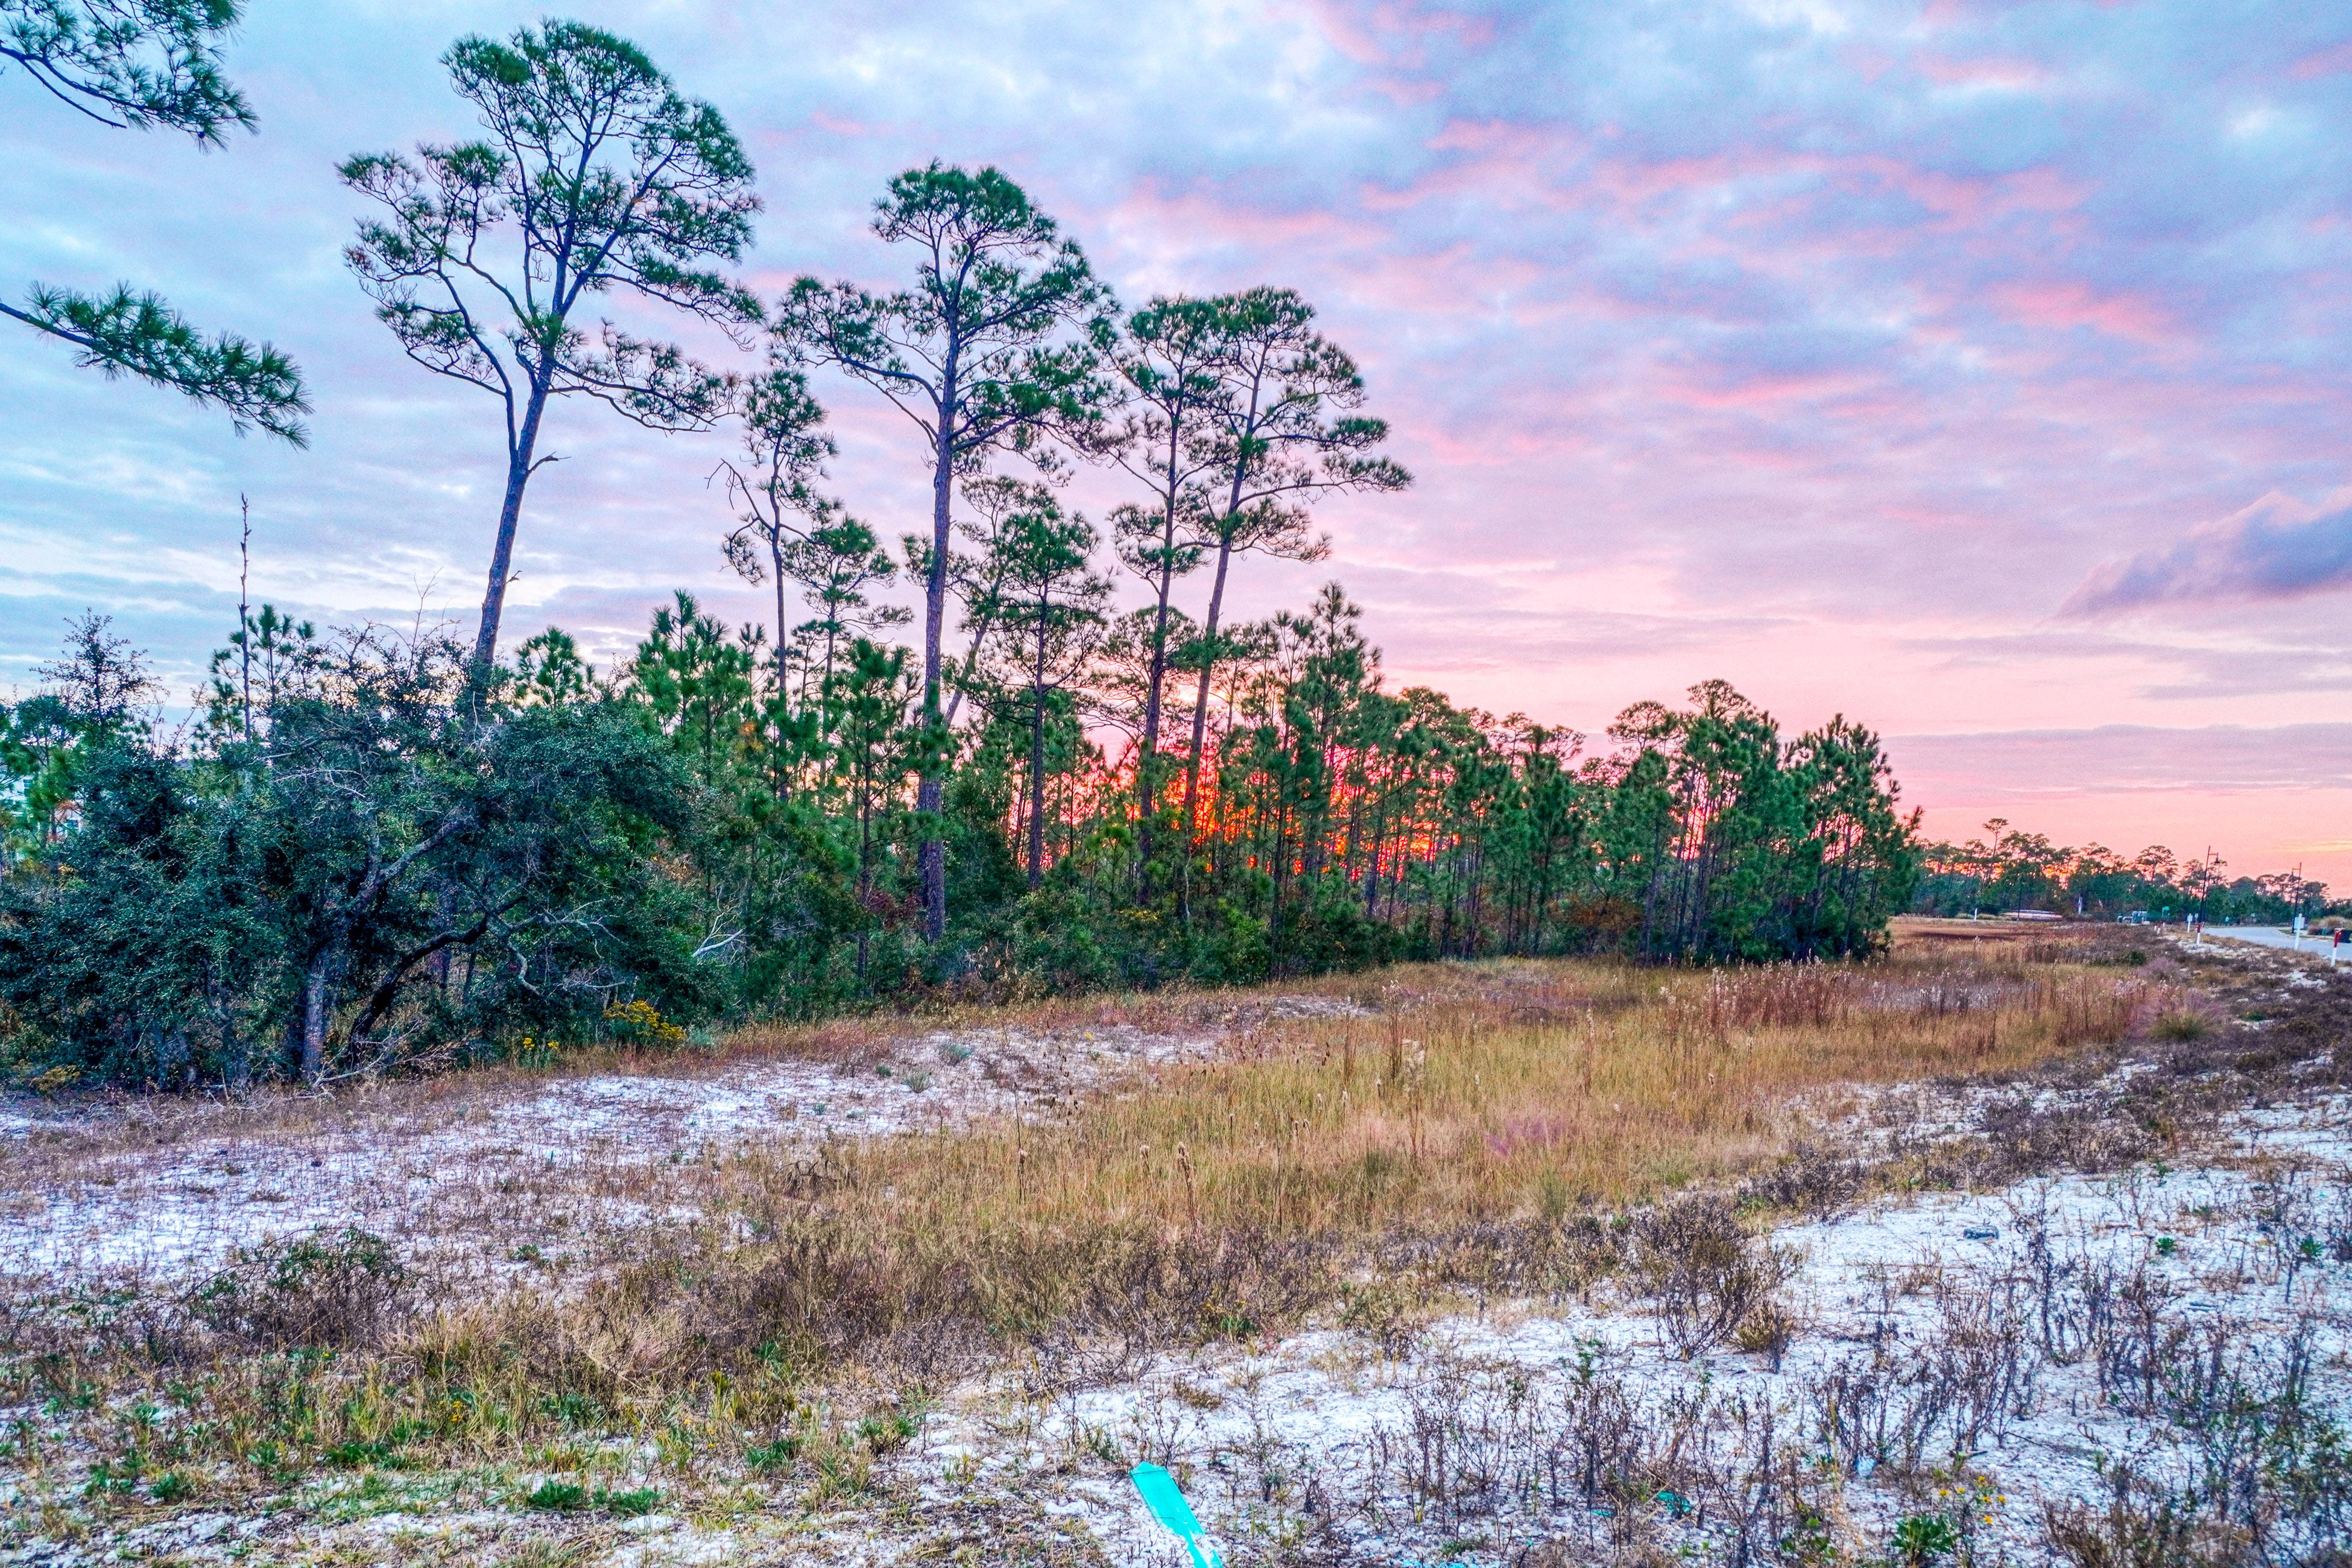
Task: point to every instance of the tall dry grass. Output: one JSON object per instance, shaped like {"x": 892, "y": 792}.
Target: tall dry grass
{"x": 1462, "y": 1135}
{"x": 1467, "y": 1129}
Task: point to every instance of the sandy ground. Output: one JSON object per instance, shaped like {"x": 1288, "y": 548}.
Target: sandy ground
{"x": 85, "y": 1196}
{"x": 1328, "y": 1412}
{"x": 1441, "y": 1442}
{"x": 1327, "y": 1436}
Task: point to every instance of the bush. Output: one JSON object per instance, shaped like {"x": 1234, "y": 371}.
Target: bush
{"x": 214, "y": 917}
{"x": 1707, "y": 1275}
{"x": 328, "y": 1289}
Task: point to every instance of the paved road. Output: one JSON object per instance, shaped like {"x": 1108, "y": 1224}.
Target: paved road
{"x": 2271, "y": 936}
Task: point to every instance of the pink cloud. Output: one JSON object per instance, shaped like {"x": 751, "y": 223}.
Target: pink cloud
{"x": 2010, "y": 74}
{"x": 2323, "y": 62}
{"x": 2064, "y": 306}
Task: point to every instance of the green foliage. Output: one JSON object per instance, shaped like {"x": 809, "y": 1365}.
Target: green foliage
{"x": 146, "y": 64}
{"x": 129, "y": 333}
{"x": 2012, "y": 868}
{"x": 555, "y": 1496}
{"x": 139, "y": 63}
{"x": 602, "y": 180}
{"x": 393, "y": 869}
{"x": 379, "y": 877}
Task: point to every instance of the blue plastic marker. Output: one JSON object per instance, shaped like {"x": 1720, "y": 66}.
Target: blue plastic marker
{"x": 1160, "y": 1494}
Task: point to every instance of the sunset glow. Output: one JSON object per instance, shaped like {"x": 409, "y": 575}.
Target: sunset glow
{"x": 1976, "y": 371}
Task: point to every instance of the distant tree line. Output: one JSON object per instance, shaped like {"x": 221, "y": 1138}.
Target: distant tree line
{"x": 373, "y": 851}
{"x": 2012, "y": 868}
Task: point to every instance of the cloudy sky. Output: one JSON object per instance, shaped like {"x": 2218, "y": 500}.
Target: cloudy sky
{"x": 1977, "y": 370}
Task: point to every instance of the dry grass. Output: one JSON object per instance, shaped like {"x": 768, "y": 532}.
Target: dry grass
{"x": 1453, "y": 1137}
{"x": 1462, "y": 1104}
{"x": 1422, "y": 1130}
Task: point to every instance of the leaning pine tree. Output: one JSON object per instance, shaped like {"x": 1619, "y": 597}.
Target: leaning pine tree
{"x": 596, "y": 178}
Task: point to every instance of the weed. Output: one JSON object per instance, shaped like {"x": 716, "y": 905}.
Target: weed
{"x": 557, "y": 1497}
{"x": 1767, "y": 1331}
{"x": 767, "y": 1457}
{"x": 1697, "y": 1260}
{"x": 889, "y": 1431}
{"x": 2181, "y": 1027}
{"x": 1924, "y": 1538}
{"x": 1385, "y": 1312}
{"x": 341, "y": 1289}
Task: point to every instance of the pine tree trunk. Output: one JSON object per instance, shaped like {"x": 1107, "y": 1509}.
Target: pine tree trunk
{"x": 1037, "y": 765}
{"x": 931, "y": 855}
{"x": 494, "y": 598}
{"x": 1200, "y": 700}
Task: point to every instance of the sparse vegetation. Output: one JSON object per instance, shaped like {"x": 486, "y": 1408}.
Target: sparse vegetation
{"x": 1375, "y": 1163}
{"x": 1615, "y": 1179}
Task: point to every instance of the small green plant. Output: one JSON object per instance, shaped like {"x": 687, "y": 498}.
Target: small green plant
{"x": 635, "y": 1503}
{"x": 1924, "y": 1538}
{"x": 843, "y": 1471}
{"x": 1223, "y": 1322}
{"x": 358, "y": 1454}
{"x": 776, "y": 1455}
{"x": 1098, "y": 1441}
{"x": 2178, "y": 1026}
{"x": 114, "y": 1475}
{"x": 889, "y": 1431}
{"x": 572, "y": 1409}
{"x": 2167, "y": 1246}
{"x": 172, "y": 1487}
{"x": 955, "y": 1053}
{"x": 558, "y": 1497}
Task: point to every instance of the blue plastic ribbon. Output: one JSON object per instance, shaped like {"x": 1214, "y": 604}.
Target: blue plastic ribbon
{"x": 1160, "y": 1495}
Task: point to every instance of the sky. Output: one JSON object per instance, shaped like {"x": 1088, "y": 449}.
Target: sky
{"x": 1976, "y": 370}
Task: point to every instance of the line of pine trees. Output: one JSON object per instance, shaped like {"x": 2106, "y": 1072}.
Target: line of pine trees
{"x": 2012, "y": 867}
{"x": 371, "y": 851}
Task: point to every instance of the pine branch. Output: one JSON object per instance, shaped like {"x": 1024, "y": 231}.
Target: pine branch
{"x": 139, "y": 335}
